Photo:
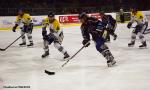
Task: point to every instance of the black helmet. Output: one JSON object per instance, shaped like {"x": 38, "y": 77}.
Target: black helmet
{"x": 82, "y": 15}
{"x": 21, "y": 10}
{"x": 51, "y": 14}
{"x": 134, "y": 8}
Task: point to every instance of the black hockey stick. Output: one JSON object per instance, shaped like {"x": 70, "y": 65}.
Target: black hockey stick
{"x": 11, "y": 43}
{"x": 53, "y": 73}
{"x": 75, "y": 54}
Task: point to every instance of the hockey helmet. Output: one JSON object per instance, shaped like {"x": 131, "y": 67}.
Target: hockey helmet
{"x": 82, "y": 15}
{"x": 51, "y": 14}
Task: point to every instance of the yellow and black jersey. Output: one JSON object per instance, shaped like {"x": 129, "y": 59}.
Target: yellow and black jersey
{"x": 25, "y": 19}
{"x": 138, "y": 17}
{"x": 53, "y": 25}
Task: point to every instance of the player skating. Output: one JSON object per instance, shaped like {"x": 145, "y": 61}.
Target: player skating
{"x": 55, "y": 35}
{"x": 24, "y": 21}
{"x": 139, "y": 18}
{"x": 95, "y": 27}
{"x": 110, "y": 24}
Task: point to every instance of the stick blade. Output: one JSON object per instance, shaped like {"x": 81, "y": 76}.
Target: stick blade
{"x": 2, "y": 49}
{"x": 49, "y": 73}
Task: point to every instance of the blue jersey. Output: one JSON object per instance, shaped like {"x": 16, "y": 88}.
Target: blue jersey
{"x": 92, "y": 26}
{"x": 108, "y": 20}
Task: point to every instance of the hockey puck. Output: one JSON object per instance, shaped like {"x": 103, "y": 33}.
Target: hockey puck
{"x": 49, "y": 73}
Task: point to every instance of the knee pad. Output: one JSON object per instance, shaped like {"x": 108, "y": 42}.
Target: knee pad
{"x": 102, "y": 48}
{"x": 133, "y": 36}
{"x": 29, "y": 37}
{"x": 141, "y": 36}
{"x": 58, "y": 46}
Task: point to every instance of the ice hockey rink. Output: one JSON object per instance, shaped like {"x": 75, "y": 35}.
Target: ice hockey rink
{"x": 22, "y": 66}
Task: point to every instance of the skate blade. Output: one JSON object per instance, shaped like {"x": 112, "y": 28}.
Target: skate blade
{"x": 49, "y": 72}
{"x": 30, "y": 46}
{"x": 111, "y": 64}
{"x": 45, "y": 56}
{"x": 142, "y": 47}
{"x": 130, "y": 45}
{"x": 22, "y": 45}
{"x": 2, "y": 49}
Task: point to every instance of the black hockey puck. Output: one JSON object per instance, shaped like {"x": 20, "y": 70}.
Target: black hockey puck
{"x": 49, "y": 73}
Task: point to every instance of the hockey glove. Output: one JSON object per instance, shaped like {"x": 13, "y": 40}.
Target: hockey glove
{"x": 129, "y": 25}
{"x": 14, "y": 28}
{"x": 84, "y": 42}
{"x": 44, "y": 32}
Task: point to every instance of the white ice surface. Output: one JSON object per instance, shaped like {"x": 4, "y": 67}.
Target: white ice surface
{"x": 87, "y": 71}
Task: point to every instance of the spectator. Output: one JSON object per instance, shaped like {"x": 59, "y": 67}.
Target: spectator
{"x": 121, "y": 13}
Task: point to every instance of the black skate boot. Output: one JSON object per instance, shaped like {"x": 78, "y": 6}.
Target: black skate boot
{"x": 66, "y": 55}
{"x": 31, "y": 44}
{"x": 115, "y": 37}
{"x": 111, "y": 63}
{"x": 144, "y": 45}
{"x": 22, "y": 44}
{"x": 45, "y": 54}
{"x": 131, "y": 44}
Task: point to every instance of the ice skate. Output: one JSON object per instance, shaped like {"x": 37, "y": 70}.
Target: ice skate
{"x": 30, "y": 45}
{"x": 131, "y": 44}
{"x": 144, "y": 45}
{"x": 115, "y": 37}
{"x": 111, "y": 63}
{"x": 22, "y": 44}
{"x": 66, "y": 55}
{"x": 45, "y": 54}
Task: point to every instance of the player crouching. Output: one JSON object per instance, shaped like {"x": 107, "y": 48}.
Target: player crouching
{"x": 24, "y": 21}
{"x": 93, "y": 26}
{"x": 55, "y": 36}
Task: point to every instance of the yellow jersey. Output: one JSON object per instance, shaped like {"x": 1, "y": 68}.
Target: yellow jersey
{"x": 54, "y": 25}
{"x": 138, "y": 17}
{"x": 25, "y": 19}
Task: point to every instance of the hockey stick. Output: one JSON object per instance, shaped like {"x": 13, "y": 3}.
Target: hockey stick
{"x": 11, "y": 43}
{"x": 53, "y": 73}
{"x": 75, "y": 54}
